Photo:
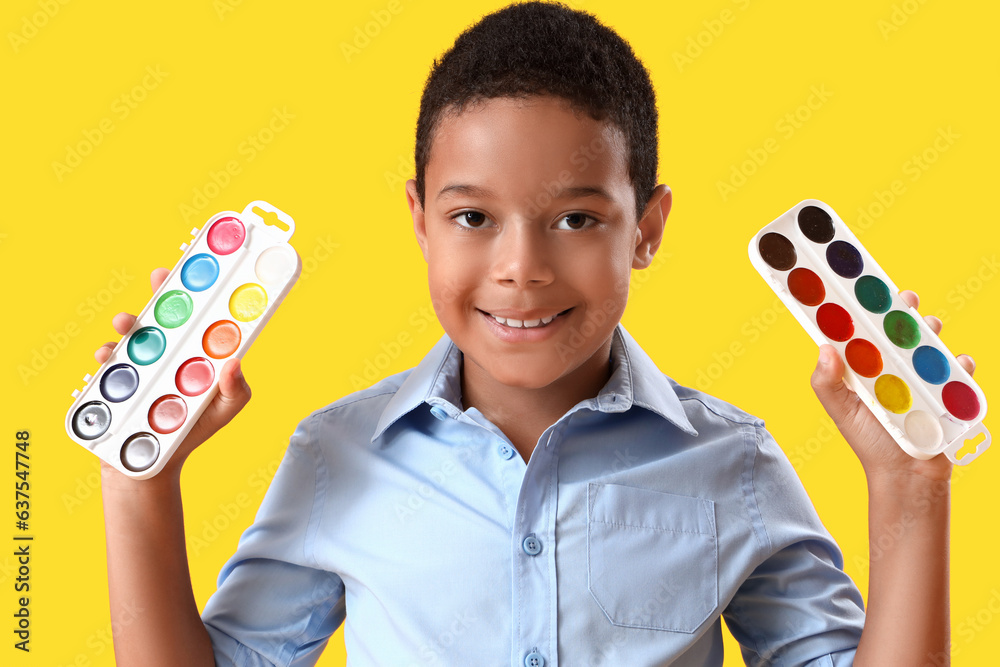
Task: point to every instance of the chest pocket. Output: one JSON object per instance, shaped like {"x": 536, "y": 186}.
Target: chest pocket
{"x": 652, "y": 557}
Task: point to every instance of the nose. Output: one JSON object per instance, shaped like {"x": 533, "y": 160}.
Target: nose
{"x": 522, "y": 257}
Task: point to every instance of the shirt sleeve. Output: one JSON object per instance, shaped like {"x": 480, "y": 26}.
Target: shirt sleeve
{"x": 797, "y": 606}
{"x": 274, "y": 606}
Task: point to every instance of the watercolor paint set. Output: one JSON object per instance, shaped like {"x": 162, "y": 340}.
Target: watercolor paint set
{"x": 138, "y": 407}
{"x": 897, "y": 365}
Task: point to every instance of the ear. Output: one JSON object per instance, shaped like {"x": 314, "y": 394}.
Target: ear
{"x": 649, "y": 232}
{"x": 417, "y": 213}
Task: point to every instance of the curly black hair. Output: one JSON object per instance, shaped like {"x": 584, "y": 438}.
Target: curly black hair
{"x": 543, "y": 48}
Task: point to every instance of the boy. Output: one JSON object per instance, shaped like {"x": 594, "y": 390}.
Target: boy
{"x": 580, "y": 507}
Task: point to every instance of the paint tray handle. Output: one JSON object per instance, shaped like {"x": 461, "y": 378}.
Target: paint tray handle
{"x": 959, "y": 443}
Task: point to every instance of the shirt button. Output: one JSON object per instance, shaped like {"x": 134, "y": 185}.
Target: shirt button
{"x": 532, "y": 546}
{"x": 534, "y": 659}
{"x": 439, "y": 412}
{"x": 505, "y": 451}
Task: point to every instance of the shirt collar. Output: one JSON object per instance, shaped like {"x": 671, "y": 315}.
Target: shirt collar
{"x": 635, "y": 380}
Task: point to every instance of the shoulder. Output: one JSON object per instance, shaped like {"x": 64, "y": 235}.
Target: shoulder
{"x": 731, "y": 436}
{"x": 361, "y": 408}
{"x": 699, "y": 407}
{"x": 777, "y": 506}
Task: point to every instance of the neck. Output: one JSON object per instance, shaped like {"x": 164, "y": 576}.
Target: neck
{"x": 530, "y": 410}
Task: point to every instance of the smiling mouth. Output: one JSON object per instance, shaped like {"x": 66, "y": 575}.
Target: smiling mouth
{"x": 525, "y": 324}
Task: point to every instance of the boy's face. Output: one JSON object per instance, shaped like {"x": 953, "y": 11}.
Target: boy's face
{"x": 529, "y": 214}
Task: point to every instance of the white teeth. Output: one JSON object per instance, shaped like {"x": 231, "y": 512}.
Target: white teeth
{"x": 523, "y": 324}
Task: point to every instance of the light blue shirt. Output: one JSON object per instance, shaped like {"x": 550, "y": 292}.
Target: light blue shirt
{"x": 644, "y": 516}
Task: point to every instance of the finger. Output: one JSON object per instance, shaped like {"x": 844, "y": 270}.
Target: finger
{"x": 103, "y": 352}
{"x": 910, "y": 298}
{"x": 157, "y": 277}
{"x": 234, "y": 394}
{"x": 934, "y": 323}
{"x": 122, "y": 322}
{"x": 828, "y": 382}
{"x": 967, "y": 362}
{"x": 233, "y": 387}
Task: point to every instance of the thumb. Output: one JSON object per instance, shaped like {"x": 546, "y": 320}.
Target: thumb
{"x": 234, "y": 394}
{"x": 233, "y": 387}
{"x": 828, "y": 383}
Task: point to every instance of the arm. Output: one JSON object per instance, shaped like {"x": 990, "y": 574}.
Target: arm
{"x": 153, "y": 613}
{"x": 907, "y": 619}
{"x": 154, "y": 617}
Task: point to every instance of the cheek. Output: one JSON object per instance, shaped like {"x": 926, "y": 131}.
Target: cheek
{"x": 450, "y": 277}
{"x": 442, "y": 290}
{"x": 605, "y": 271}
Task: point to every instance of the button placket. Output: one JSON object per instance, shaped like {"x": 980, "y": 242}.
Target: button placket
{"x": 534, "y": 584}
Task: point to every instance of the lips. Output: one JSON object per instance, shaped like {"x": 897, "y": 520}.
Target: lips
{"x": 525, "y": 319}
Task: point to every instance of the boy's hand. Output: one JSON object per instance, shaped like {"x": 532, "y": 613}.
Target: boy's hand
{"x": 234, "y": 393}
{"x": 878, "y": 452}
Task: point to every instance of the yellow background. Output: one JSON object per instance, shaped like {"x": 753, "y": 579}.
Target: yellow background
{"x": 77, "y": 246}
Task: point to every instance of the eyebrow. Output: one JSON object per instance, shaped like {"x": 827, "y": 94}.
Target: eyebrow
{"x": 457, "y": 189}
{"x": 577, "y": 192}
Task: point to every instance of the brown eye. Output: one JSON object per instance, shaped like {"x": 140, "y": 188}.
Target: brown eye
{"x": 473, "y": 219}
{"x": 577, "y": 220}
